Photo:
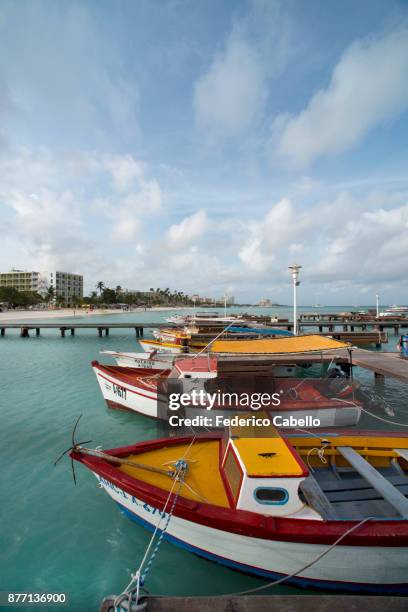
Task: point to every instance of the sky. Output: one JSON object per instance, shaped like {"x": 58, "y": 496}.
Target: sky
{"x": 207, "y": 145}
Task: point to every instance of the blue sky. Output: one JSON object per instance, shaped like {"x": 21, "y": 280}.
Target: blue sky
{"x": 204, "y": 146}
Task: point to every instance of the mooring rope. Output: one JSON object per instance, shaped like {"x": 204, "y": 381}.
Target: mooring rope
{"x": 305, "y": 567}
{"x": 138, "y": 579}
{"x": 288, "y": 576}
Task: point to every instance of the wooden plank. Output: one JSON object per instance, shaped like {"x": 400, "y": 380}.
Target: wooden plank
{"x": 316, "y": 498}
{"x": 357, "y": 483}
{"x": 360, "y": 494}
{"x": 380, "y": 484}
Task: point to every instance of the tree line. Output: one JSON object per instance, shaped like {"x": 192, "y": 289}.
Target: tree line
{"x": 102, "y": 295}
{"x": 153, "y": 297}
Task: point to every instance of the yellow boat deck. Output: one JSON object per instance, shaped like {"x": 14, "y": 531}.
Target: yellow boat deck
{"x": 268, "y": 457}
{"x": 203, "y": 475}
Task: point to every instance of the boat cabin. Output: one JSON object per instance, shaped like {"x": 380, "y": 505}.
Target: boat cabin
{"x": 261, "y": 472}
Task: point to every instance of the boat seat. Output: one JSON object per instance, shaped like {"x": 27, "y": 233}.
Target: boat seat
{"x": 357, "y": 510}
{"x": 366, "y": 493}
{"x": 387, "y": 490}
{"x": 316, "y": 498}
{"x": 349, "y": 484}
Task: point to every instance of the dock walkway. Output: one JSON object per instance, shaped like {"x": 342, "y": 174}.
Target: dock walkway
{"x": 382, "y": 364}
{"x": 274, "y": 603}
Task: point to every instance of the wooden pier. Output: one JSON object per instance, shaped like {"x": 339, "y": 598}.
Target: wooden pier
{"x": 272, "y": 603}
{"x": 381, "y": 364}
{"x": 375, "y": 337}
{"x": 101, "y": 328}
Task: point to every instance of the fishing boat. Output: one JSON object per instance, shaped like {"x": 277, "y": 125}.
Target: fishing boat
{"x": 331, "y": 403}
{"x": 173, "y": 346}
{"x": 325, "y": 512}
{"x": 150, "y": 361}
{"x": 194, "y": 337}
{"x": 156, "y": 361}
{"x": 201, "y": 317}
{"x": 395, "y": 311}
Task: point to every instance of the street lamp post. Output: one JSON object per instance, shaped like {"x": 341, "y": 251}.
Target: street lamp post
{"x": 294, "y": 268}
{"x": 377, "y": 302}
{"x": 194, "y": 298}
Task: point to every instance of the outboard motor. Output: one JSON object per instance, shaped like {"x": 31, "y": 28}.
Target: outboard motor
{"x": 335, "y": 373}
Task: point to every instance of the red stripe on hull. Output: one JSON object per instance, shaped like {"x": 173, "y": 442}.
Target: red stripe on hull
{"x": 375, "y": 533}
{"x": 116, "y": 406}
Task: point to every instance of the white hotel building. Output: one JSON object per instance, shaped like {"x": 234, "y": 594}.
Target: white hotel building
{"x": 66, "y": 285}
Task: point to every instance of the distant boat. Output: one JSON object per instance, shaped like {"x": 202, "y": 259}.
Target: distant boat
{"x": 395, "y": 311}
{"x": 269, "y": 506}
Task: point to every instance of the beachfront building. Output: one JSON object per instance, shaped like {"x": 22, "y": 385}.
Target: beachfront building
{"x": 22, "y": 280}
{"x": 67, "y": 286}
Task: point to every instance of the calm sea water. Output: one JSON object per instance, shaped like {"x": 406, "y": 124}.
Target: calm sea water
{"x": 57, "y": 537}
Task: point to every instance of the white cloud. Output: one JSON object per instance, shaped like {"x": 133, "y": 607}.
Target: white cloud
{"x": 59, "y": 206}
{"x": 269, "y": 237}
{"x": 185, "y": 233}
{"x": 126, "y": 227}
{"x": 231, "y": 95}
{"x": 368, "y": 87}
{"x": 125, "y": 170}
{"x": 343, "y": 245}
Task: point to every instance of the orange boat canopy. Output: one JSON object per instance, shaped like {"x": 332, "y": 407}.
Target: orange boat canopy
{"x": 276, "y": 346}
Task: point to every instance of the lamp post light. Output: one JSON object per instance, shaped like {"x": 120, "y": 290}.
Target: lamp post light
{"x": 377, "y": 303}
{"x": 294, "y": 268}
{"x": 194, "y": 298}
{"x": 225, "y": 305}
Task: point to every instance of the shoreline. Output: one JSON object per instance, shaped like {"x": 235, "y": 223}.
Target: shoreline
{"x": 28, "y": 315}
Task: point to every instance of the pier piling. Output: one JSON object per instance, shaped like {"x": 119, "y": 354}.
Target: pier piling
{"x": 24, "y": 332}
{"x": 106, "y": 331}
{"x": 3, "y": 331}
{"x": 62, "y": 330}
{"x": 72, "y": 331}
{"x": 100, "y": 332}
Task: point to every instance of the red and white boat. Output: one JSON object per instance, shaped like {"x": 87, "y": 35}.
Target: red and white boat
{"x": 270, "y": 507}
{"x": 138, "y": 390}
{"x": 146, "y": 361}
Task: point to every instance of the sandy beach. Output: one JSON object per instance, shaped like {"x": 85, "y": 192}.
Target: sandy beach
{"x": 24, "y": 315}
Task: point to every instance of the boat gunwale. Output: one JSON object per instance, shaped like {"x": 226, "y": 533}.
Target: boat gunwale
{"x": 376, "y": 532}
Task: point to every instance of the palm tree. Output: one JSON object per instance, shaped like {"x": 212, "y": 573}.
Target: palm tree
{"x": 100, "y": 286}
{"x": 118, "y": 289}
{"x": 50, "y": 294}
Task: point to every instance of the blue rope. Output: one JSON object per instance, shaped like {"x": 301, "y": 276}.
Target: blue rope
{"x": 181, "y": 467}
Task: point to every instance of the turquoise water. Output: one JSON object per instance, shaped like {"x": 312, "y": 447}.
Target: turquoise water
{"x": 57, "y": 537}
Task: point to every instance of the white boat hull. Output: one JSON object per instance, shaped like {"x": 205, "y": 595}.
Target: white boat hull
{"x": 357, "y": 568}
{"x": 139, "y": 360}
{"x": 126, "y": 397}
{"x": 149, "y": 347}
{"x": 119, "y": 394}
